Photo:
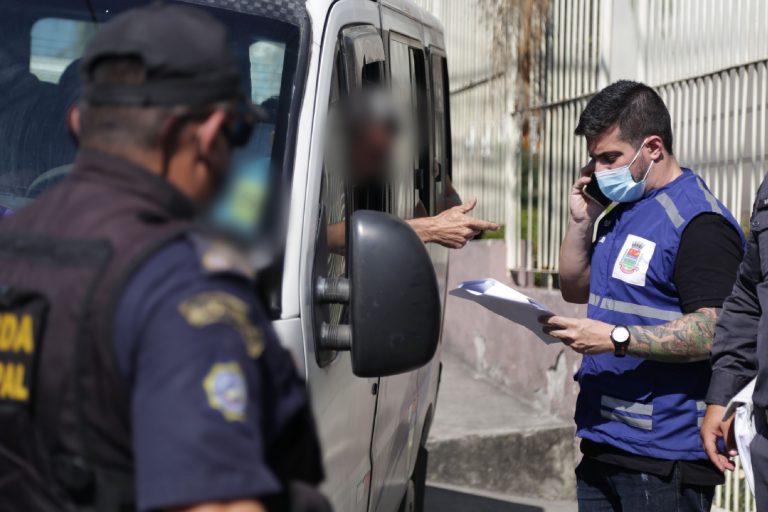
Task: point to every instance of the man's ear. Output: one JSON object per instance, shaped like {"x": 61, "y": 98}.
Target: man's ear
{"x": 73, "y": 120}
{"x": 208, "y": 130}
{"x": 655, "y": 146}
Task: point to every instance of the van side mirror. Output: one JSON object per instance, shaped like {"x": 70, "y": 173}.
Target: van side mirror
{"x": 393, "y": 297}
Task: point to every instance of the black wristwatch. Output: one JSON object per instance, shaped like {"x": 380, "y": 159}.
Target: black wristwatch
{"x": 620, "y": 339}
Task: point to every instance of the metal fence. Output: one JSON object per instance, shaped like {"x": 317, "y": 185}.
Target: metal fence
{"x": 513, "y": 116}
{"x": 480, "y": 101}
{"x": 735, "y": 495}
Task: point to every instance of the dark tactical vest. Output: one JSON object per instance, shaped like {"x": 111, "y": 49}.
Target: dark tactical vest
{"x": 65, "y": 441}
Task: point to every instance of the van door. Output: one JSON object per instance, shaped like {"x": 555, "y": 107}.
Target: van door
{"x": 396, "y": 430}
{"x": 344, "y": 404}
{"x": 429, "y": 375}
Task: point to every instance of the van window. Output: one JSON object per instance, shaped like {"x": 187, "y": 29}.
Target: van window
{"x": 412, "y": 185}
{"x": 355, "y": 166}
{"x": 266, "y": 69}
{"x": 334, "y": 187}
{"x": 442, "y": 160}
{"x": 40, "y": 46}
{"x": 55, "y": 44}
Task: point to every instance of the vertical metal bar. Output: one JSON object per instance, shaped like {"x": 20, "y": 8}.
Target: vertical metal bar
{"x": 545, "y": 190}
{"x": 685, "y": 120}
{"x": 728, "y": 490}
{"x": 736, "y": 488}
{"x": 701, "y": 109}
{"x": 711, "y": 120}
{"x": 529, "y": 200}
{"x": 717, "y": 142}
{"x": 763, "y": 107}
{"x": 739, "y": 199}
{"x": 555, "y": 165}
{"x": 728, "y": 142}
{"x": 693, "y": 147}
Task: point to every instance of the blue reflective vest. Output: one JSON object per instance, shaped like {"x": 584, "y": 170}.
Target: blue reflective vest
{"x": 644, "y": 407}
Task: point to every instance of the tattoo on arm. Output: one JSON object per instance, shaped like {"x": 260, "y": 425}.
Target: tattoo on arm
{"x": 686, "y": 339}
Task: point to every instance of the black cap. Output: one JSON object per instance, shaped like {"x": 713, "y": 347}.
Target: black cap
{"x": 184, "y": 50}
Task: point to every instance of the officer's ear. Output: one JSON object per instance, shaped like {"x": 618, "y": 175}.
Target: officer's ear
{"x": 208, "y": 130}
{"x": 73, "y": 121}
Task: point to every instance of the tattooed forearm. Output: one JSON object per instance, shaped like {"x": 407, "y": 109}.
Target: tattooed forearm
{"x": 683, "y": 340}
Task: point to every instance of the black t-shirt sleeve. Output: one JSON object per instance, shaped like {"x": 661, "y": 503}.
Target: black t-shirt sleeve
{"x": 707, "y": 262}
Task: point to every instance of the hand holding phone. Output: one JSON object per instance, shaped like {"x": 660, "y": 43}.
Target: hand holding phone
{"x": 593, "y": 192}
{"x": 583, "y": 207}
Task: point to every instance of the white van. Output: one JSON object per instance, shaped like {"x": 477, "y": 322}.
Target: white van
{"x": 362, "y": 322}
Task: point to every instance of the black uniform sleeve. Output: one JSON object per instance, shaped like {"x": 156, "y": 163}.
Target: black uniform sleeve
{"x": 734, "y": 361}
{"x": 203, "y": 369}
{"x": 707, "y": 262}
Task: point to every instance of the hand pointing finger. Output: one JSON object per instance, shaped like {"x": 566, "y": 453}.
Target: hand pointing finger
{"x": 468, "y": 206}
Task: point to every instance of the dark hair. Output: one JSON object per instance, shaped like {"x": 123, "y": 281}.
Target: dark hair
{"x": 122, "y": 126}
{"x": 634, "y": 106}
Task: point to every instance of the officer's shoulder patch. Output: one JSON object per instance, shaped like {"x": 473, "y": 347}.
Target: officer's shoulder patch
{"x": 226, "y": 390}
{"x": 217, "y": 307}
{"x": 218, "y": 256}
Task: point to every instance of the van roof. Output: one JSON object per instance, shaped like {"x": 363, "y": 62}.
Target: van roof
{"x": 407, "y": 7}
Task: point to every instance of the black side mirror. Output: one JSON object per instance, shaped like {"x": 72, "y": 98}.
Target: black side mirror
{"x": 393, "y": 297}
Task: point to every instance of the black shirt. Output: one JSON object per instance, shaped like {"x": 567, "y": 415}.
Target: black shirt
{"x": 707, "y": 261}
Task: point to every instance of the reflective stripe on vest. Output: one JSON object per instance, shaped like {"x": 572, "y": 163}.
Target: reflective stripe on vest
{"x": 710, "y": 198}
{"x": 700, "y": 407}
{"x": 672, "y": 212}
{"x": 619, "y": 410}
{"x": 633, "y": 309}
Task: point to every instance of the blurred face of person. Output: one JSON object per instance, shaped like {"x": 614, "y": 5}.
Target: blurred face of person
{"x": 371, "y": 152}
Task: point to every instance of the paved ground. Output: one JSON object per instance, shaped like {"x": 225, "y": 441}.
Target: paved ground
{"x": 454, "y": 499}
{"x": 486, "y": 438}
{"x": 470, "y": 405}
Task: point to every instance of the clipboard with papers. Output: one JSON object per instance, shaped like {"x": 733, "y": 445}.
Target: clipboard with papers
{"x": 507, "y": 302}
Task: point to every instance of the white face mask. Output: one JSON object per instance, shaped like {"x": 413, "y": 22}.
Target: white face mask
{"x": 619, "y": 185}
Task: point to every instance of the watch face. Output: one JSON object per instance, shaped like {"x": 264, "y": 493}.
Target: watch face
{"x": 620, "y": 334}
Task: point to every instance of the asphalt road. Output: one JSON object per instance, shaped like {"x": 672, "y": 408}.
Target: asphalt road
{"x": 443, "y": 500}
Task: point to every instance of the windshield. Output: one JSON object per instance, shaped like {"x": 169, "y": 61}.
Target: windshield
{"x": 40, "y": 46}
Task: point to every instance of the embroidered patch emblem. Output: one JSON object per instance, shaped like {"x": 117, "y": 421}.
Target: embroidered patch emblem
{"x": 209, "y": 308}
{"x": 632, "y": 263}
{"x": 226, "y": 390}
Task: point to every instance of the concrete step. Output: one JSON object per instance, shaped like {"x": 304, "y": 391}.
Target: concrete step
{"x": 486, "y": 438}
{"x": 450, "y": 498}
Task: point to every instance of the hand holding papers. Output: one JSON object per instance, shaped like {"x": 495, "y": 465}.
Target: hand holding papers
{"x": 507, "y": 302}
{"x": 744, "y": 428}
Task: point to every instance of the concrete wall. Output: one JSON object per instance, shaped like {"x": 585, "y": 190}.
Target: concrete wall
{"x": 500, "y": 350}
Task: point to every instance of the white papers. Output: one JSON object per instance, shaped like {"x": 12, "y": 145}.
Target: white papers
{"x": 507, "y": 302}
{"x": 744, "y": 428}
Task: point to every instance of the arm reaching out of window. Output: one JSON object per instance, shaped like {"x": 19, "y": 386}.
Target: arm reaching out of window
{"x": 452, "y": 228}
{"x": 452, "y": 197}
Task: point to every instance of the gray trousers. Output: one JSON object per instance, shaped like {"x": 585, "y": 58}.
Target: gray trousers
{"x": 759, "y": 453}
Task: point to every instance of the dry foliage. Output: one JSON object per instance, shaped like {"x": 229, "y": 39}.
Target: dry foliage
{"x": 519, "y": 30}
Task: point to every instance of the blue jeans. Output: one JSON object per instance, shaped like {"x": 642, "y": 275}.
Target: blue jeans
{"x": 607, "y": 488}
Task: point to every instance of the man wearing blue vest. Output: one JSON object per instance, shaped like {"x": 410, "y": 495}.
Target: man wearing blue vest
{"x": 656, "y": 272}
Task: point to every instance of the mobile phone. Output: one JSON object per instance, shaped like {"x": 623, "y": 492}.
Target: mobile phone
{"x": 592, "y": 191}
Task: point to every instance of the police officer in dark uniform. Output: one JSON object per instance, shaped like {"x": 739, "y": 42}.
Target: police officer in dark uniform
{"x": 740, "y": 353}
{"x": 137, "y": 370}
